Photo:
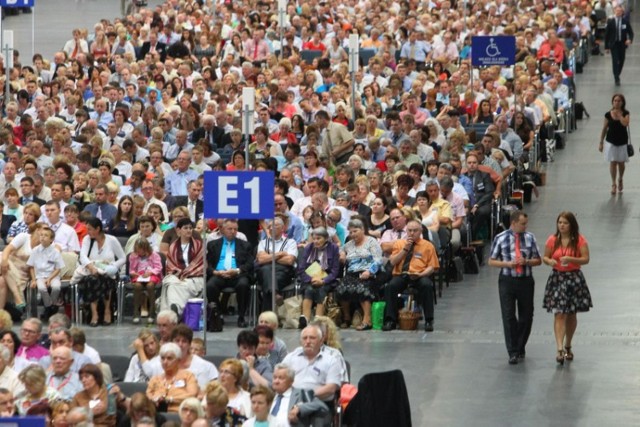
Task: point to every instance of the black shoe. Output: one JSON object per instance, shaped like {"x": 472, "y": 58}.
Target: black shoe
{"x": 389, "y": 326}
{"x": 302, "y": 322}
{"x": 513, "y": 360}
{"x": 617, "y": 82}
{"x": 241, "y": 322}
{"x": 522, "y": 355}
{"x": 428, "y": 327}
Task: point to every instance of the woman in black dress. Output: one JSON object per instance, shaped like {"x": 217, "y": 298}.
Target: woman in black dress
{"x": 615, "y": 130}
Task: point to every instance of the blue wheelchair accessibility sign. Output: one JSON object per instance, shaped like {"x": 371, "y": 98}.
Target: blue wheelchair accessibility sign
{"x": 238, "y": 195}
{"x": 493, "y": 50}
{"x": 17, "y": 3}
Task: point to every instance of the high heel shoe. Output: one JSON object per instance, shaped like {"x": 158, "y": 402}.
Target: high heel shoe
{"x": 568, "y": 354}
{"x": 620, "y": 186}
{"x": 613, "y": 189}
{"x": 560, "y": 357}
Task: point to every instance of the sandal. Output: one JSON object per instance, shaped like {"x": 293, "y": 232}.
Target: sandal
{"x": 568, "y": 354}
{"x": 620, "y": 186}
{"x": 613, "y": 189}
{"x": 346, "y": 324}
{"x": 93, "y": 324}
{"x": 364, "y": 327}
{"x": 560, "y": 357}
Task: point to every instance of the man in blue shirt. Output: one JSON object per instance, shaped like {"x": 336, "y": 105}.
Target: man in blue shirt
{"x": 176, "y": 183}
{"x": 515, "y": 252}
{"x": 415, "y": 49}
{"x": 102, "y": 209}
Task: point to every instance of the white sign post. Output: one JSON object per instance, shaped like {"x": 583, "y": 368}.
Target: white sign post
{"x": 7, "y": 49}
{"x": 354, "y": 58}
{"x": 248, "y": 125}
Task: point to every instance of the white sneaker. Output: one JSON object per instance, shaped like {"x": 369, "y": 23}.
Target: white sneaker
{"x": 136, "y": 320}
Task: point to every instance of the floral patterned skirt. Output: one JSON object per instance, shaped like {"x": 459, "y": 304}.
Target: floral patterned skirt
{"x": 567, "y": 292}
{"x": 352, "y": 288}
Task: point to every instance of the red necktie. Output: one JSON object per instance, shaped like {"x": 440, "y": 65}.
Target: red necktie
{"x": 519, "y": 267}
{"x": 255, "y": 51}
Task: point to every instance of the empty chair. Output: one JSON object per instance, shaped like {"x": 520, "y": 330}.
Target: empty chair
{"x": 382, "y": 400}
{"x": 131, "y": 388}
{"x": 309, "y": 55}
{"x": 216, "y": 359}
{"x": 118, "y": 364}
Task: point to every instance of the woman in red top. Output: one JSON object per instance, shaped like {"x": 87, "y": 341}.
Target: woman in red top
{"x": 566, "y": 292}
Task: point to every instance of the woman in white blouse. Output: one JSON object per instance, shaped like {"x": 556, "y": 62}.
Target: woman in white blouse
{"x": 100, "y": 260}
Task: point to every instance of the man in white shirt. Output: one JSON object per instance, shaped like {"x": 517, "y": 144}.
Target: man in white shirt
{"x": 149, "y": 199}
{"x": 66, "y": 236}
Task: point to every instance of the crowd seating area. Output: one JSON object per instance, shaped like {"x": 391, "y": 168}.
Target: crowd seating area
{"x": 390, "y": 183}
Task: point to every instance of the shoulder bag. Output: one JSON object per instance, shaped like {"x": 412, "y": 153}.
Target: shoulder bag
{"x": 630, "y": 150}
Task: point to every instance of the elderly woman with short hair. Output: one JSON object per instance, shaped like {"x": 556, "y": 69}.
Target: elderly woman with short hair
{"x": 95, "y": 396}
{"x": 362, "y": 256}
{"x": 324, "y": 256}
{"x": 171, "y": 388}
{"x": 190, "y": 410}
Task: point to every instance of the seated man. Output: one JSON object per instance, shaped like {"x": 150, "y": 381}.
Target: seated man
{"x": 184, "y": 270}
{"x": 30, "y": 334}
{"x": 414, "y": 260}
{"x": 62, "y": 378}
{"x": 203, "y": 370}
{"x": 61, "y": 337}
{"x": 483, "y": 193}
{"x": 298, "y": 410}
{"x": 315, "y": 367}
{"x": 231, "y": 261}
{"x": 260, "y": 369}
{"x": 285, "y": 255}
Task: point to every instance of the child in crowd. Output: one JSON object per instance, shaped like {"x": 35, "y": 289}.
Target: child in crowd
{"x": 145, "y": 270}
{"x": 45, "y": 264}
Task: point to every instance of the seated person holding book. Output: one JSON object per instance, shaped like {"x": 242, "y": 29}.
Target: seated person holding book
{"x": 318, "y": 271}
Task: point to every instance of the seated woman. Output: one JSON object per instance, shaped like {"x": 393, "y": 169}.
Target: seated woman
{"x": 95, "y": 396}
{"x": 124, "y": 224}
{"x": 30, "y": 215}
{"x": 171, "y": 235}
{"x": 185, "y": 267}
{"x": 155, "y": 212}
{"x": 362, "y": 256}
{"x": 190, "y": 410}
{"x": 217, "y": 407}
{"x": 36, "y": 390}
{"x": 320, "y": 258}
{"x": 145, "y": 270}
{"x": 231, "y": 373}
{"x": 146, "y": 230}
{"x": 140, "y": 407}
{"x": 101, "y": 257}
{"x": 14, "y": 268}
{"x": 146, "y": 346}
{"x": 169, "y": 389}
{"x": 378, "y": 221}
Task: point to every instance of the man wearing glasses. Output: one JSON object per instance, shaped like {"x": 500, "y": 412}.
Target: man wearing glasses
{"x": 414, "y": 260}
{"x": 30, "y": 348}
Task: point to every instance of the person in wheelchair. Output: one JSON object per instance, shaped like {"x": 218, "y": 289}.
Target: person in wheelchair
{"x": 414, "y": 260}
{"x": 285, "y": 255}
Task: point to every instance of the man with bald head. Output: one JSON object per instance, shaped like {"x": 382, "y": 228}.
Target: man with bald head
{"x": 182, "y": 145}
{"x": 61, "y": 338}
{"x": 61, "y": 377}
{"x": 176, "y": 183}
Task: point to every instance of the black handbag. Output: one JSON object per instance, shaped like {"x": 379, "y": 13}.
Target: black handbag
{"x": 630, "y": 150}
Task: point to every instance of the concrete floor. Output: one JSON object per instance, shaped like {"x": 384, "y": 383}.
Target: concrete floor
{"x": 458, "y": 375}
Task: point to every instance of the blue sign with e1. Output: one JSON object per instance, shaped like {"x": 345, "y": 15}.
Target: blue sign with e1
{"x": 238, "y": 195}
{"x": 17, "y": 3}
{"x": 493, "y": 50}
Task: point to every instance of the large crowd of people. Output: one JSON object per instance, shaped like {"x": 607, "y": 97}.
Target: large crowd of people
{"x": 105, "y": 146}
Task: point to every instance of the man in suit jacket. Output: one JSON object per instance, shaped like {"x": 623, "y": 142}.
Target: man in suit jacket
{"x": 356, "y": 201}
{"x": 230, "y": 262}
{"x": 153, "y": 45}
{"x": 293, "y": 406}
{"x": 617, "y": 36}
{"x": 483, "y": 188}
{"x": 26, "y": 188}
{"x": 192, "y": 201}
{"x": 208, "y": 131}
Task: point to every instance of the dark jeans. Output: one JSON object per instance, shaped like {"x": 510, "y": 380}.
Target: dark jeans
{"x": 618, "y": 52}
{"x": 240, "y": 284}
{"x": 284, "y": 274}
{"x": 480, "y": 218}
{"x": 397, "y": 285}
{"x": 516, "y": 292}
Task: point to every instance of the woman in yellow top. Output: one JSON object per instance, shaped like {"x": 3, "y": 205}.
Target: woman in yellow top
{"x": 170, "y": 389}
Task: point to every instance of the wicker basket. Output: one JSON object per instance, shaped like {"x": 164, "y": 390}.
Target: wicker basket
{"x": 408, "y": 320}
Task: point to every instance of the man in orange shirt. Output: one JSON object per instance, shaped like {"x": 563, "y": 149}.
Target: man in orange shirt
{"x": 414, "y": 260}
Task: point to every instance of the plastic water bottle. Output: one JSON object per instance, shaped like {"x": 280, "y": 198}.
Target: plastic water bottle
{"x": 111, "y": 401}
{"x": 202, "y": 314}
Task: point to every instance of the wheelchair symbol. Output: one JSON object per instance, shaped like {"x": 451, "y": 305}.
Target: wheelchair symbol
{"x": 492, "y": 49}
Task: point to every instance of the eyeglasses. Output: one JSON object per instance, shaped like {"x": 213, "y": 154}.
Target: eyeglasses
{"x": 28, "y": 331}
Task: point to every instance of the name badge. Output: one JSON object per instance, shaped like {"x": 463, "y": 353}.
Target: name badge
{"x": 51, "y": 262}
{"x": 179, "y": 383}
{"x": 481, "y": 186}
{"x": 417, "y": 255}
{"x": 624, "y": 26}
{"x": 93, "y": 403}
